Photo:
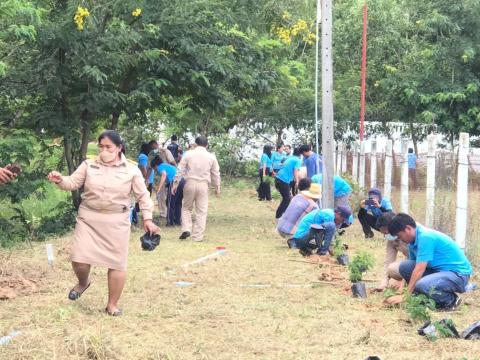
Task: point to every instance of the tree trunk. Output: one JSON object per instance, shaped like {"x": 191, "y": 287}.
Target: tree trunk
{"x": 68, "y": 154}
{"x": 115, "y": 118}
{"x": 414, "y": 136}
{"x": 85, "y": 138}
{"x": 279, "y": 136}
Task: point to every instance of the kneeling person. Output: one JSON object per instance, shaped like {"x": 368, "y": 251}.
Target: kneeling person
{"x": 317, "y": 229}
{"x": 371, "y": 210}
{"x": 301, "y": 205}
{"x": 437, "y": 267}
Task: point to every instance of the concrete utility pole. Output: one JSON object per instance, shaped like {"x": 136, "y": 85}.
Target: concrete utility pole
{"x": 327, "y": 104}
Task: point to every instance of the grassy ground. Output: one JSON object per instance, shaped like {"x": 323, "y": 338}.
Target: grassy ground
{"x": 219, "y": 317}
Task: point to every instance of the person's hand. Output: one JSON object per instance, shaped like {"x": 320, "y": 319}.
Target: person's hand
{"x": 217, "y": 191}
{"x": 6, "y": 176}
{"x": 174, "y": 189}
{"x": 395, "y": 300}
{"x": 55, "y": 177}
{"x": 379, "y": 288}
{"x": 150, "y": 227}
{"x": 376, "y": 203}
{"x": 362, "y": 204}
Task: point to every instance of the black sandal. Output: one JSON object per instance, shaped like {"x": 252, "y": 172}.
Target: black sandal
{"x": 74, "y": 294}
{"x": 118, "y": 312}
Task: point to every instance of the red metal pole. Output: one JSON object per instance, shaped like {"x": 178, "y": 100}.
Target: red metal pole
{"x": 364, "y": 71}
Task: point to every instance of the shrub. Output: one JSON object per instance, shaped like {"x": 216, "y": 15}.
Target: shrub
{"x": 360, "y": 263}
{"x": 418, "y": 307}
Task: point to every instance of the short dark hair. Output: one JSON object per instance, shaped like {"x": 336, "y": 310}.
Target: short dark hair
{"x": 145, "y": 149}
{"x": 157, "y": 160}
{"x": 400, "y": 222}
{"x": 201, "y": 141}
{"x": 410, "y": 150}
{"x": 174, "y": 138}
{"x": 279, "y": 145}
{"x": 385, "y": 219}
{"x": 152, "y": 142}
{"x": 304, "y": 184}
{"x": 305, "y": 148}
{"x": 296, "y": 152}
{"x": 112, "y": 135}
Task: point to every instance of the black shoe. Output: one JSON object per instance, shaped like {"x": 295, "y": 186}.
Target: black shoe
{"x": 454, "y": 306}
{"x": 305, "y": 252}
{"x": 184, "y": 235}
{"x": 369, "y": 235}
{"x": 291, "y": 243}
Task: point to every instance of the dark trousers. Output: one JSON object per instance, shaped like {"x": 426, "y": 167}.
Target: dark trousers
{"x": 136, "y": 209}
{"x": 264, "y": 191}
{"x": 284, "y": 190}
{"x": 174, "y": 203}
{"x": 441, "y": 286}
{"x": 367, "y": 220}
{"x": 293, "y": 187}
{"x": 319, "y": 239}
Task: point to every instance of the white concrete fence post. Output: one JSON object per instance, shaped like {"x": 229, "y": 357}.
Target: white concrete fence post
{"x": 335, "y": 144}
{"x": 355, "y": 162}
{"x": 404, "y": 179}
{"x": 431, "y": 167}
{"x": 344, "y": 159}
{"x": 373, "y": 164}
{"x": 462, "y": 190}
{"x": 338, "y": 166}
{"x": 361, "y": 170}
{"x": 387, "y": 186}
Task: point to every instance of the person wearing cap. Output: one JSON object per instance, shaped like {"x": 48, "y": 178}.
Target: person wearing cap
{"x": 341, "y": 189}
{"x": 317, "y": 229}
{"x": 437, "y": 267}
{"x": 288, "y": 173}
{"x": 301, "y": 205}
{"x": 371, "y": 211}
{"x": 392, "y": 248}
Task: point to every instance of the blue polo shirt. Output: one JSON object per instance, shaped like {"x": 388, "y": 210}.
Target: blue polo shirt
{"x": 412, "y": 161}
{"x": 265, "y": 160}
{"x": 277, "y": 160}
{"x": 143, "y": 162}
{"x": 287, "y": 172}
{"x": 311, "y": 165}
{"x": 170, "y": 170}
{"x": 439, "y": 251}
{"x": 317, "y": 217}
{"x": 385, "y": 203}
{"x": 340, "y": 186}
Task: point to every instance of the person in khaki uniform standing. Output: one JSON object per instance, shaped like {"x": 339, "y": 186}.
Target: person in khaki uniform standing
{"x": 199, "y": 168}
{"x": 102, "y": 231}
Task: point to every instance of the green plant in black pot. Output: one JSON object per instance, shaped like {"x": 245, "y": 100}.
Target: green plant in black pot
{"x": 339, "y": 252}
{"x": 360, "y": 263}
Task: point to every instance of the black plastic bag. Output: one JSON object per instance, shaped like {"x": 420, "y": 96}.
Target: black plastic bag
{"x": 359, "y": 290}
{"x": 342, "y": 259}
{"x": 150, "y": 241}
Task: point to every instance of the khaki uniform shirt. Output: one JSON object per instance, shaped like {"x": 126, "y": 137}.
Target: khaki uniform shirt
{"x": 199, "y": 165}
{"x": 392, "y": 249}
{"x": 108, "y": 188}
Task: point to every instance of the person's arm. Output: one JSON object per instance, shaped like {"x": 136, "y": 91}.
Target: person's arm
{"x": 142, "y": 196}
{"x": 161, "y": 184}
{"x": 296, "y": 174}
{"x": 170, "y": 158}
{"x": 72, "y": 182}
{"x": 215, "y": 174}
{"x": 390, "y": 257}
{"x": 417, "y": 274}
{"x": 264, "y": 169}
{"x": 6, "y": 176}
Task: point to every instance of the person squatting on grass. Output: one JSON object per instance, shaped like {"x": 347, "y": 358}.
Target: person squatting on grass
{"x": 288, "y": 173}
{"x": 102, "y": 231}
{"x": 436, "y": 267}
{"x": 371, "y": 210}
{"x": 317, "y": 229}
{"x": 199, "y": 168}
{"x": 393, "y": 247}
{"x": 265, "y": 169}
{"x": 301, "y": 205}
{"x": 341, "y": 189}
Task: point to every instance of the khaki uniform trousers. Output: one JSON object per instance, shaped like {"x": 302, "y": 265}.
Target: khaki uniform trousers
{"x": 162, "y": 202}
{"x": 195, "y": 194}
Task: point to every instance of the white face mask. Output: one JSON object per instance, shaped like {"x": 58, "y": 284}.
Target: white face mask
{"x": 390, "y": 237}
{"x": 107, "y": 156}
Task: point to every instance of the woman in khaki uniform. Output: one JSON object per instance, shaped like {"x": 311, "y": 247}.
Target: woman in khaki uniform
{"x": 102, "y": 231}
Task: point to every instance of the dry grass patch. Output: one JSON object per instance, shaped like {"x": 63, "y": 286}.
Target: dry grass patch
{"x": 220, "y": 316}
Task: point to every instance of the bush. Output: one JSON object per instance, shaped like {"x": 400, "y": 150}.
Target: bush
{"x": 418, "y": 307}
{"x": 360, "y": 263}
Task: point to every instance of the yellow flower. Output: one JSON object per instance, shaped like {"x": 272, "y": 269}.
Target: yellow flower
{"x": 80, "y": 16}
{"x": 137, "y": 12}
{"x": 286, "y": 15}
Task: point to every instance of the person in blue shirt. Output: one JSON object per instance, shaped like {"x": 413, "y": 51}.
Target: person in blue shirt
{"x": 143, "y": 166}
{"x": 288, "y": 173}
{"x": 278, "y": 157}
{"x": 312, "y": 161}
{"x": 341, "y": 189}
{"x": 412, "y": 167}
{"x": 437, "y": 266}
{"x": 317, "y": 229}
{"x": 167, "y": 173}
{"x": 371, "y": 210}
{"x": 265, "y": 169}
